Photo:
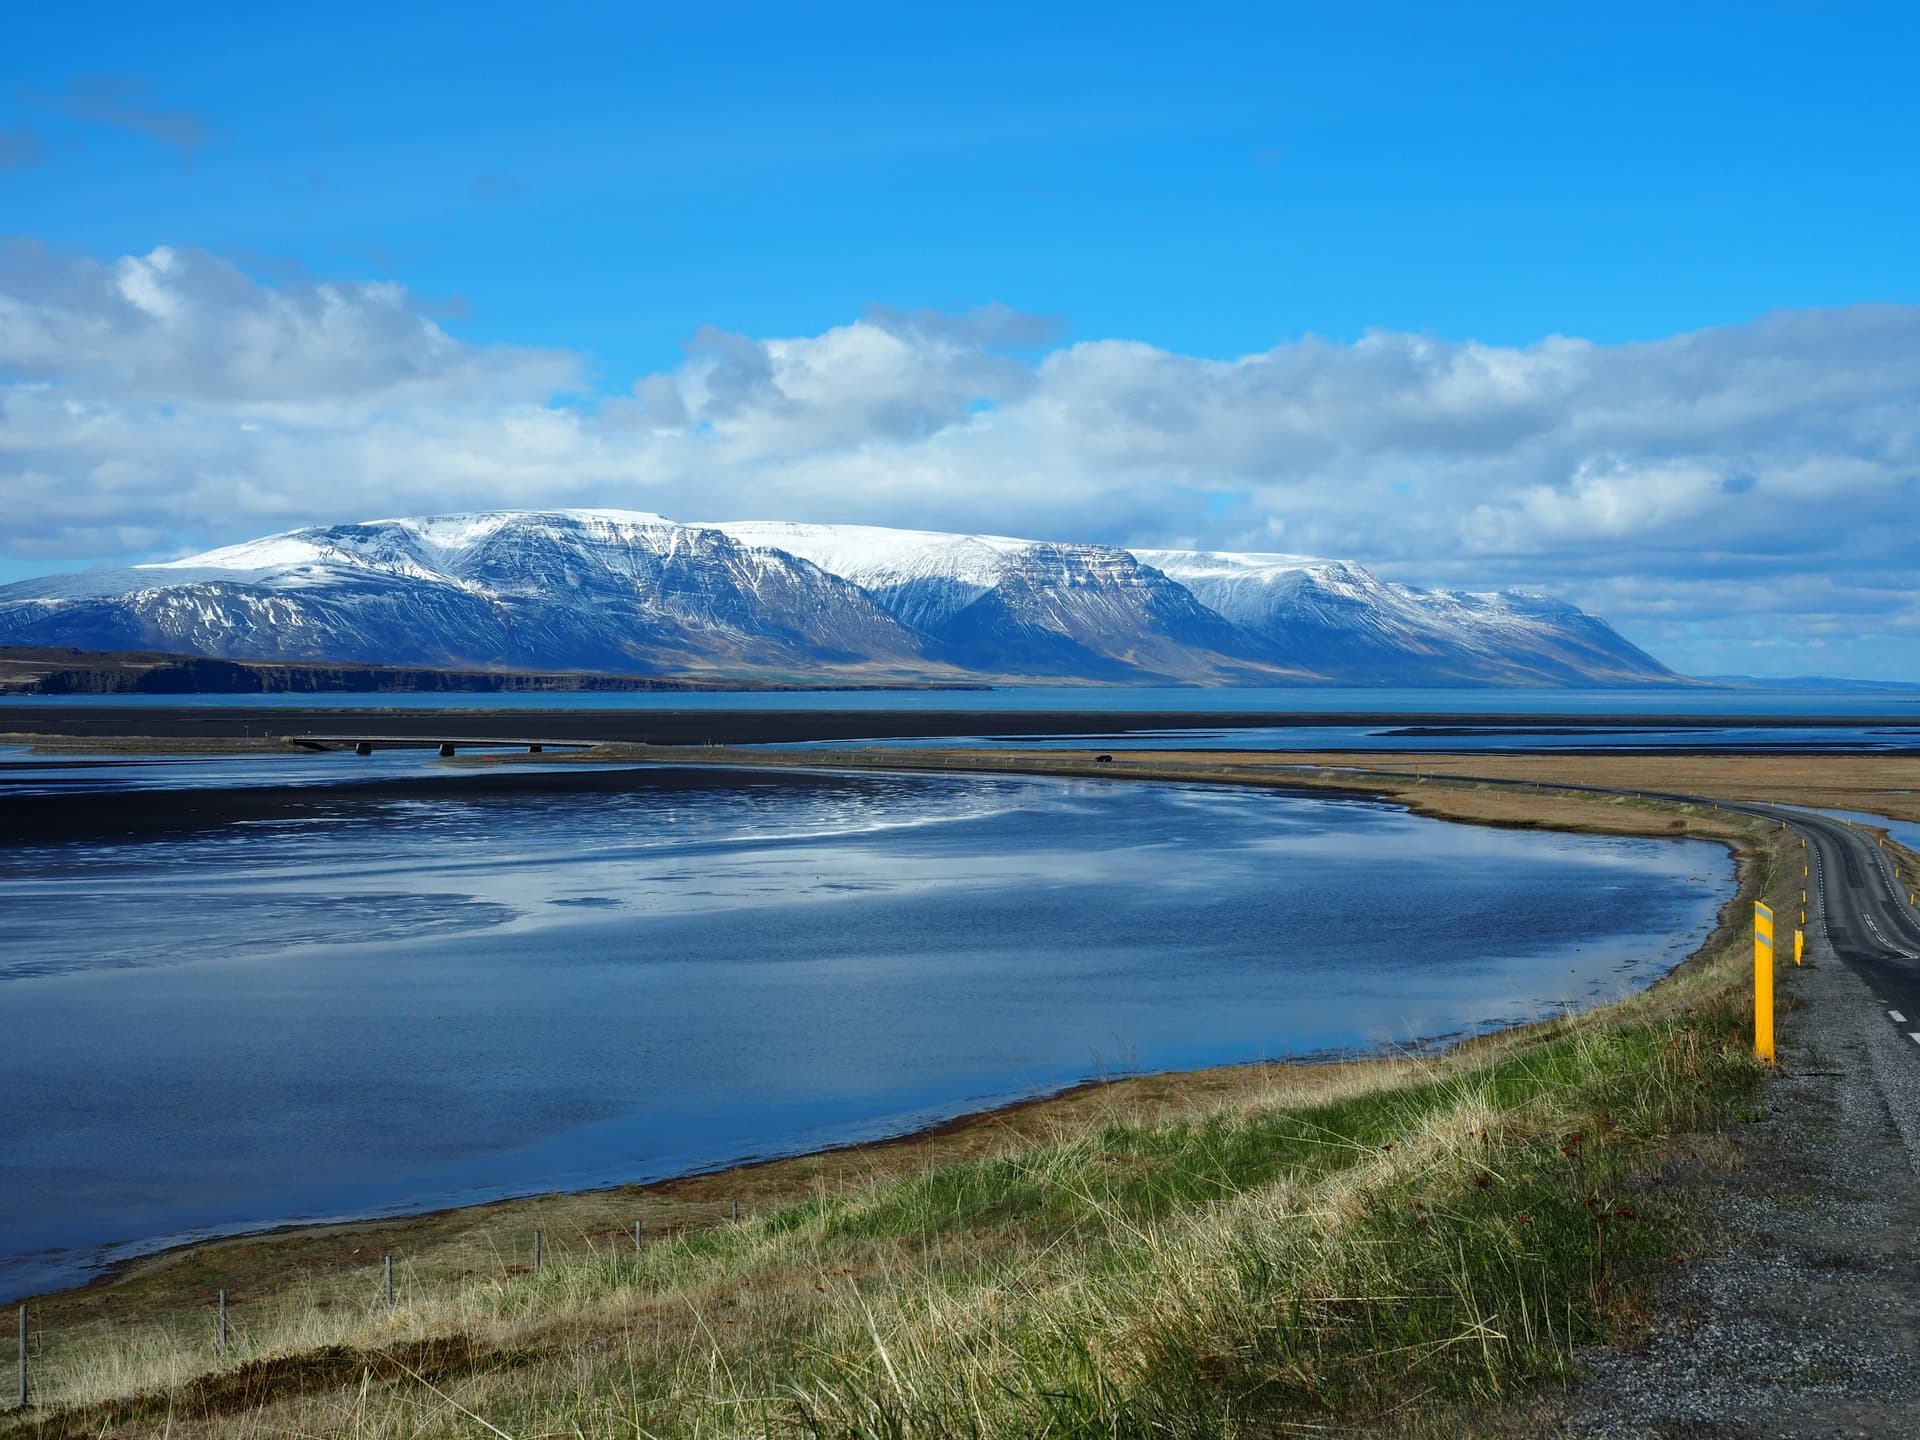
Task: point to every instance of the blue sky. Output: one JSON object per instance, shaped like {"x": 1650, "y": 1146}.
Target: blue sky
{"x": 524, "y": 213}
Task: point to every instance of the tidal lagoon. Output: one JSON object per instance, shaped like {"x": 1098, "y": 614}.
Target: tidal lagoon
{"x": 428, "y": 987}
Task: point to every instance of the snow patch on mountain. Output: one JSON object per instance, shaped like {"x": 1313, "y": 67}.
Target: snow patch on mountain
{"x": 1033, "y": 607}
{"x": 633, "y": 591}
{"x": 1344, "y": 616}
{"x": 589, "y": 589}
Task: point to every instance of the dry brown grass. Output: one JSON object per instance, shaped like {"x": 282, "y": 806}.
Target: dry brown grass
{"x": 1842, "y": 782}
{"x": 81, "y": 746}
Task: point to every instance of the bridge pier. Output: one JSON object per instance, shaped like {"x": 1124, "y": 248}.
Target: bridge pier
{"x": 365, "y": 747}
{"x": 446, "y": 749}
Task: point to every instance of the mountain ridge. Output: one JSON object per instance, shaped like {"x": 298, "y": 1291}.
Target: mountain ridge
{"x": 633, "y": 592}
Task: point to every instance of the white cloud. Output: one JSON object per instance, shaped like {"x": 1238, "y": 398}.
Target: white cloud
{"x": 889, "y": 378}
{"x": 1732, "y": 478}
{"x": 182, "y": 327}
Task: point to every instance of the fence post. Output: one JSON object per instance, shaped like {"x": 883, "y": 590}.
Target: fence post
{"x": 223, "y": 1322}
{"x": 389, "y": 1282}
{"x": 736, "y": 1212}
{"x": 536, "y": 1252}
{"x": 636, "y": 1238}
{"x": 24, "y": 1401}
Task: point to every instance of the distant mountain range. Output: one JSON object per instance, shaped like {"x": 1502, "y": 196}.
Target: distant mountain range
{"x": 631, "y": 593}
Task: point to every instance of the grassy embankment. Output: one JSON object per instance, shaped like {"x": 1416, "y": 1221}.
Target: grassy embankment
{"x": 1396, "y": 1244}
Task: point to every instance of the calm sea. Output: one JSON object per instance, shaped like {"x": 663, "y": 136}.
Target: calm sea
{"x": 1900, "y": 704}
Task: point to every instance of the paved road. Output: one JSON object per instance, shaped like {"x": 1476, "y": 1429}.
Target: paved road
{"x": 1859, "y": 904}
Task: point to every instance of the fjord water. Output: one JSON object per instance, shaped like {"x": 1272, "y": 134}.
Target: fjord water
{"x": 373, "y": 1005}
{"x": 1889, "y": 702}
{"x": 1871, "y": 719}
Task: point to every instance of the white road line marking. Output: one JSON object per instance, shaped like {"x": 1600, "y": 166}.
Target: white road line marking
{"x": 1898, "y": 1018}
{"x": 1914, "y": 1035}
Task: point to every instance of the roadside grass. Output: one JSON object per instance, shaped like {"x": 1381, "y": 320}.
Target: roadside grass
{"x": 1362, "y": 1249}
{"x": 1906, "y": 867}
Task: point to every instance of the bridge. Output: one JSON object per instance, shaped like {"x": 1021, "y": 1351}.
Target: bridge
{"x": 447, "y": 745}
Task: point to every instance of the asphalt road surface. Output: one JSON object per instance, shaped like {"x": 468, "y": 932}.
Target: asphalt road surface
{"x": 1859, "y": 902}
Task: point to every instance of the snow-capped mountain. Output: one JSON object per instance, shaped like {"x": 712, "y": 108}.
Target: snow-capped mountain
{"x": 636, "y": 593}
{"x": 1346, "y": 620}
{"x": 604, "y": 590}
{"x": 1033, "y": 607}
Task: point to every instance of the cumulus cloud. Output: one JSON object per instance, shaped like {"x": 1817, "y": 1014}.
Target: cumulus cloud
{"x": 893, "y": 377}
{"x": 181, "y": 327}
{"x": 1733, "y": 493}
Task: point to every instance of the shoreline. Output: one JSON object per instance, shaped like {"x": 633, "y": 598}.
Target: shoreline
{"x": 988, "y": 1117}
{"x": 967, "y": 1125}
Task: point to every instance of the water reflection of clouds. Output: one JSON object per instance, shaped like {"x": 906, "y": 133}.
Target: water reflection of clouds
{"x": 398, "y": 870}
{"x": 416, "y": 869}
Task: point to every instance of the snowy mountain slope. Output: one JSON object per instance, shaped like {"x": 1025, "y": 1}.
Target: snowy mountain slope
{"x": 1035, "y": 607}
{"x": 1347, "y": 621}
{"x": 1542, "y": 636}
{"x": 572, "y": 589}
{"x": 922, "y": 577}
{"x": 629, "y": 592}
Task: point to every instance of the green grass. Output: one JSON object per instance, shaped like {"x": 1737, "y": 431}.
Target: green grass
{"x": 1445, "y": 1242}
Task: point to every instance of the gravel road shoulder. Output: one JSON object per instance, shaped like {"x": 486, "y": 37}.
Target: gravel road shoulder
{"x": 1807, "y": 1322}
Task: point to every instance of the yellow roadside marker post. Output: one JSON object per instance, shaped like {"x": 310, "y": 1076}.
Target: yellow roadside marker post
{"x": 1763, "y": 982}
